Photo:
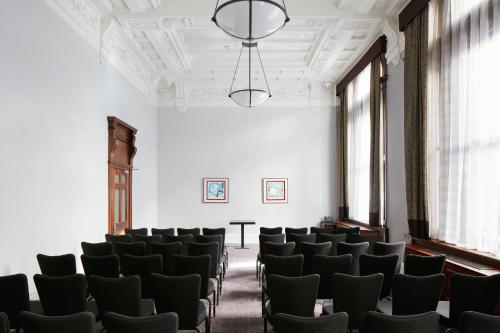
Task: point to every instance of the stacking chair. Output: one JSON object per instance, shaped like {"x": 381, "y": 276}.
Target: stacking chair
{"x": 325, "y": 267}
{"x": 97, "y": 249}
{"x": 166, "y": 250}
{"x": 162, "y": 323}
{"x": 132, "y": 248}
{"x": 356, "y": 249}
{"x": 371, "y": 264}
{"x": 424, "y": 265}
{"x": 355, "y": 295}
{"x": 318, "y": 231}
{"x": 83, "y": 322}
{"x": 291, "y": 295}
{"x": 185, "y": 265}
{"x": 212, "y": 249}
{"x": 474, "y": 322}
{"x": 298, "y": 239}
{"x": 308, "y": 250}
{"x": 14, "y": 297}
{"x": 375, "y": 322}
{"x": 382, "y": 249}
{"x": 214, "y": 238}
{"x": 118, "y": 238}
{"x": 348, "y": 231}
{"x": 148, "y": 240}
{"x": 264, "y": 238}
{"x": 163, "y": 232}
{"x": 371, "y": 239}
{"x": 107, "y": 266}
{"x": 57, "y": 265}
{"x": 181, "y": 294}
{"x": 332, "y": 238}
{"x": 4, "y": 323}
{"x": 62, "y": 295}
{"x": 413, "y": 294}
{"x": 135, "y": 232}
{"x": 184, "y": 239}
{"x": 298, "y": 231}
{"x": 222, "y": 232}
{"x": 279, "y": 249}
{"x": 187, "y": 231}
{"x": 143, "y": 266}
{"x": 271, "y": 231}
{"x": 334, "y": 323}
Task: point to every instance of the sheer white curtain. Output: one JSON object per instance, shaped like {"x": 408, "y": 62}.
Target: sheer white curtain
{"x": 463, "y": 155}
{"x": 358, "y": 146}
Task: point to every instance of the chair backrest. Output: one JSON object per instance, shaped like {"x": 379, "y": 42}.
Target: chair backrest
{"x": 97, "y": 249}
{"x": 371, "y": 239}
{"x": 184, "y": 265}
{"x": 279, "y": 249}
{"x": 473, "y": 293}
{"x": 348, "y": 231}
{"x": 332, "y": 238}
{"x": 210, "y": 239}
{"x": 166, "y": 250}
{"x": 107, "y": 266}
{"x": 132, "y": 248}
{"x": 14, "y": 297}
{"x": 4, "y": 323}
{"x": 424, "y": 265}
{"x": 263, "y": 238}
{"x": 356, "y": 249}
{"x": 179, "y": 294}
{"x": 415, "y": 294}
{"x": 375, "y": 322}
{"x": 318, "y": 231}
{"x": 301, "y": 238}
{"x": 371, "y": 264}
{"x": 290, "y": 266}
{"x": 299, "y": 231}
{"x": 293, "y": 295}
{"x": 163, "y": 232}
{"x": 308, "y": 250}
{"x": 135, "y": 232}
{"x": 474, "y": 322}
{"x": 215, "y": 231}
{"x": 356, "y": 295}
{"x": 162, "y": 323}
{"x": 57, "y": 265}
{"x": 334, "y": 323}
{"x": 118, "y": 238}
{"x": 325, "y": 267}
{"x": 122, "y": 295}
{"x": 83, "y": 322}
{"x": 271, "y": 231}
{"x": 62, "y": 295}
{"x": 143, "y": 266}
{"x": 212, "y": 249}
{"x": 148, "y": 240}
{"x": 188, "y": 231}
{"x": 184, "y": 239}
{"x": 382, "y": 249}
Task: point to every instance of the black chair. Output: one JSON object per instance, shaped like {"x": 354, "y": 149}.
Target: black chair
{"x": 57, "y": 265}
{"x": 308, "y": 250}
{"x": 298, "y": 231}
{"x": 264, "y": 238}
{"x": 375, "y": 322}
{"x": 291, "y": 295}
{"x": 382, "y": 249}
{"x": 181, "y": 294}
{"x": 335, "y": 323}
{"x": 118, "y": 238}
{"x": 166, "y": 250}
{"x": 474, "y": 322}
{"x": 210, "y": 239}
{"x": 279, "y": 249}
{"x": 183, "y": 239}
{"x": 424, "y": 265}
{"x": 83, "y": 322}
{"x": 132, "y": 248}
{"x": 143, "y": 266}
{"x": 332, "y": 238}
{"x": 97, "y": 249}
{"x": 62, "y": 295}
{"x": 14, "y": 297}
{"x": 107, "y": 266}
{"x": 271, "y": 231}
{"x": 370, "y": 264}
{"x": 298, "y": 239}
{"x": 188, "y": 231}
{"x": 212, "y": 249}
{"x": 185, "y": 265}
{"x": 162, "y": 323}
{"x": 219, "y": 231}
{"x": 134, "y": 232}
{"x": 4, "y": 323}
{"x": 355, "y": 295}
{"x": 356, "y": 249}
{"x": 371, "y": 239}
{"x": 148, "y": 240}
{"x": 163, "y": 232}
{"x": 325, "y": 267}
{"x": 348, "y": 231}
{"x": 318, "y": 231}
{"x": 413, "y": 294}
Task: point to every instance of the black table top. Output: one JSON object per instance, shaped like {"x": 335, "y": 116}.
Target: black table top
{"x": 241, "y": 222}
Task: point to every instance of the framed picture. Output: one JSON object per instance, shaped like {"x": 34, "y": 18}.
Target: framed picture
{"x": 275, "y": 190}
{"x": 216, "y": 190}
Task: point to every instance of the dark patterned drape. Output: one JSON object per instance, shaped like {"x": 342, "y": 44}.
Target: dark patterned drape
{"x": 374, "y": 216}
{"x": 342, "y": 157}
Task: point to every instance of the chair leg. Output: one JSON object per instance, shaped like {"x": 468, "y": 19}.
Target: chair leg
{"x": 263, "y": 306}
{"x": 207, "y": 325}
{"x": 265, "y": 325}
{"x": 214, "y": 303}
{"x": 221, "y": 278}
{"x": 209, "y": 307}
{"x": 257, "y": 269}
{"x": 197, "y": 330}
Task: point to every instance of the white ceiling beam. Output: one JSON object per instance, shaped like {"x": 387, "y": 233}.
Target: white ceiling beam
{"x": 136, "y": 6}
{"x": 341, "y": 44}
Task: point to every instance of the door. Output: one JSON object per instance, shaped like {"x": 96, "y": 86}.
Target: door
{"x": 120, "y": 200}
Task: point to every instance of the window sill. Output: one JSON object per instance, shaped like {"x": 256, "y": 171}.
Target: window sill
{"x": 364, "y": 228}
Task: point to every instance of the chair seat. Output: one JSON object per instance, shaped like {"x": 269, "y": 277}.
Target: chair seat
{"x": 385, "y": 306}
{"x": 147, "y": 307}
{"x": 92, "y": 307}
{"x": 327, "y": 307}
{"x": 443, "y": 309}
{"x": 219, "y": 270}
{"x": 211, "y": 287}
{"x": 202, "y": 312}
{"x": 36, "y": 307}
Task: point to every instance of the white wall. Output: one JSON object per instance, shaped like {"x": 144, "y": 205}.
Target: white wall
{"x": 245, "y": 146}
{"x": 55, "y": 96}
{"x": 396, "y": 190}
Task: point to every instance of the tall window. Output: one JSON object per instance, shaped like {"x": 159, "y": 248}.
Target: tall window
{"x": 463, "y": 155}
{"x": 358, "y": 146}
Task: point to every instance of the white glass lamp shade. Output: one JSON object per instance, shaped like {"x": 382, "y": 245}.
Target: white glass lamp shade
{"x": 233, "y": 17}
{"x": 250, "y": 97}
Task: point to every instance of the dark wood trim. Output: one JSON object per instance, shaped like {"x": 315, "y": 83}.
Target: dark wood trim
{"x": 380, "y": 46}
{"x": 410, "y": 12}
{"x": 364, "y": 228}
